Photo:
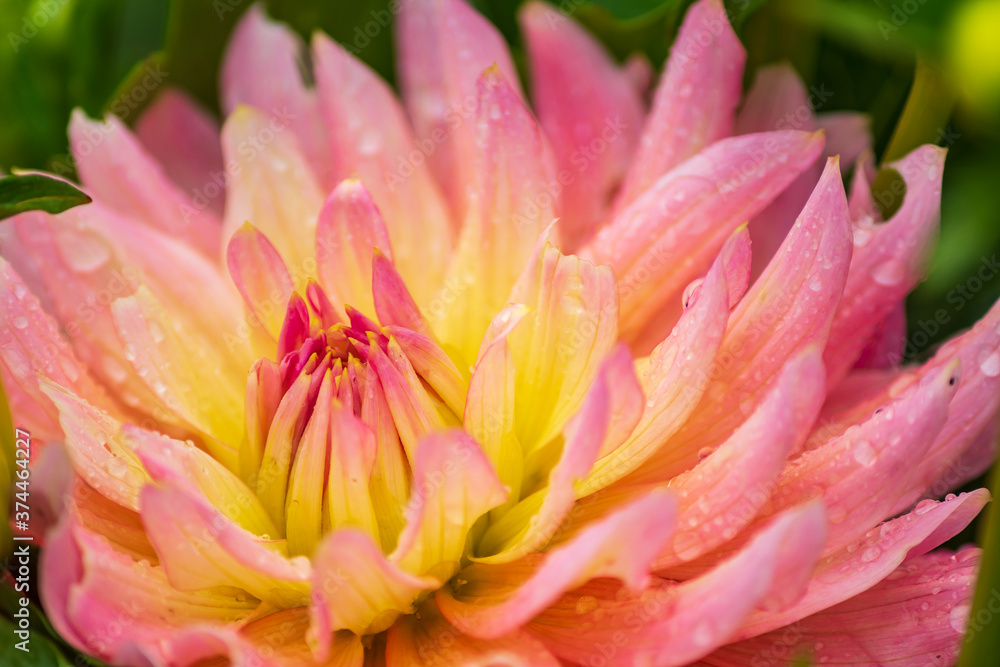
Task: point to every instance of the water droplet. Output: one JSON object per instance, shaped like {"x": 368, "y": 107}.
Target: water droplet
{"x": 989, "y": 363}
{"x": 870, "y": 554}
{"x": 889, "y": 273}
{"x": 117, "y": 468}
{"x": 129, "y": 352}
{"x": 959, "y": 618}
{"x": 702, "y": 634}
{"x": 862, "y": 235}
{"x": 20, "y": 290}
{"x": 83, "y": 252}
{"x": 20, "y": 322}
{"x": 369, "y": 142}
{"x": 815, "y": 284}
{"x": 704, "y": 452}
{"x": 924, "y": 506}
{"x": 863, "y": 452}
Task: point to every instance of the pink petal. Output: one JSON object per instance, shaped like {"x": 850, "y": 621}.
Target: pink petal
{"x": 511, "y": 175}
{"x": 371, "y": 140}
{"x": 262, "y": 68}
{"x": 789, "y": 308}
{"x": 184, "y": 138}
{"x": 414, "y": 411}
{"x": 860, "y": 201}
{"x": 848, "y": 134}
{"x": 88, "y": 587}
{"x": 590, "y": 111}
{"x": 887, "y": 345}
{"x": 393, "y": 303}
{"x": 674, "y": 624}
{"x": 433, "y": 365}
{"x": 735, "y": 483}
{"x": 778, "y": 100}
{"x": 671, "y": 234}
{"x": 354, "y": 585}
{"x": 443, "y": 46}
{"x": 428, "y": 639}
{"x": 260, "y": 276}
{"x": 349, "y": 232}
{"x": 695, "y": 100}
{"x": 914, "y": 617}
{"x": 673, "y": 382}
{"x": 862, "y": 473}
{"x": 441, "y": 513}
{"x": 178, "y": 522}
{"x": 33, "y": 348}
{"x": 860, "y": 566}
{"x": 494, "y": 600}
{"x": 118, "y": 171}
{"x": 888, "y": 259}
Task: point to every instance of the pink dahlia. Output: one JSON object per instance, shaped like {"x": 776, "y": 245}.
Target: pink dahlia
{"x": 448, "y": 382}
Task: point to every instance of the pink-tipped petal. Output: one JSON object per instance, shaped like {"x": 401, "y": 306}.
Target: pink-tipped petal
{"x": 443, "y": 46}
{"x": 590, "y": 111}
{"x": 913, "y": 617}
{"x": 889, "y": 259}
{"x": 200, "y": 548}
{"x": 671, "y": 234}
{"x": 861, "y": 565}
{"x": 271, "y": 186}
{"x": 119, "y": 172}
{"x": 354, "y": 587}
{"x": 735, "y": 483}
{"x": 34, "y": 348}
{"x": 371, "y": 140}
{"x": 431, "y": 363}
{"x": 789, "y": 308}
{"x": 493, "y": 600}
{"x": 674, "y": 624}
{"x": 514, "y": 205}
{"x": 184, "y": 138}
{"x": 454, "y": 485}
{"x": 673, "y": 382}
{"x": 349, "y": 232}
{"x": 261, "y": 277}
{"x": 394, "y": 305}
{"x": 695, "y": 100}
{"x": 262, "y": 68}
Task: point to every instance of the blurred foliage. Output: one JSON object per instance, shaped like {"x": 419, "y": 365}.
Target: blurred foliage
{"x": 59, "y": 54}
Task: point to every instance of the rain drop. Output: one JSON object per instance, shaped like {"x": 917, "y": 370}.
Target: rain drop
{"x": 989, "y": 363}
{"x": 870, "y": 554}
{"x": 959, "y": 618}
{"x": 889, "y": 273}
{"x": 20, "y": 322}
{"x": 863, "y": 452}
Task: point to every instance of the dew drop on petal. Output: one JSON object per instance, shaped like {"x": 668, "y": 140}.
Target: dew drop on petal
{"x": 863, "y": 452}
{"x": 889, "y": 273}
{"x": 20, "y": 290}
{"x": 20, "y": 322}
{"x": 702, "y": 634}
{"x": 815, "y": 284}
{"x": 959, "y": 618}
{"x": 924, "y": 506}
{"x": 989, "y": 363}
{"x": 870, "y": 554}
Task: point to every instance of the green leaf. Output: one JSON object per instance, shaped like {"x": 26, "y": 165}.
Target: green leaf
{"x": 37, "y": 193}
{"x": 41, "y": 651}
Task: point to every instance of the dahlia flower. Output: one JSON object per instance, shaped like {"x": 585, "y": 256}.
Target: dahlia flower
{"x": 454, "y": 382}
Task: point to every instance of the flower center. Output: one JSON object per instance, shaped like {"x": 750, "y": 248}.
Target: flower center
{"x": 333, "y": 422}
